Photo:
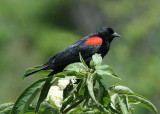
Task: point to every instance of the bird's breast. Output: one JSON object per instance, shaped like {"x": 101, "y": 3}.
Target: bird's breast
{"x": 104, "y": 48}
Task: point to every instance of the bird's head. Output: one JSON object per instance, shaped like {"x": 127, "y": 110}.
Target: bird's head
{"x": 107, "y": 33}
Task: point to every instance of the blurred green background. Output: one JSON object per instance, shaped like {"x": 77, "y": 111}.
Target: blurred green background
{"x": 32, "y": 31}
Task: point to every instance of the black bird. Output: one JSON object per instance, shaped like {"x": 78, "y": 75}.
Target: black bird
{"x": 97, "y": 42}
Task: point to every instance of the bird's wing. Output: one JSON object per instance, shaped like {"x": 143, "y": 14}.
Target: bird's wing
{"x": 71, "y": 54}
{"x": 87, "y": 47}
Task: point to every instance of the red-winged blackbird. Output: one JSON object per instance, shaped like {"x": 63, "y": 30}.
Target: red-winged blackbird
{"x": 97, "y": 42}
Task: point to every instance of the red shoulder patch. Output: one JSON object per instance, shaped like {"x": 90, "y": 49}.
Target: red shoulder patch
{"x": 95, "y": 40}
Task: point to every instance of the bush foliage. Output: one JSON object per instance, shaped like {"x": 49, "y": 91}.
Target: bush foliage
{"x": 90, "y": 95}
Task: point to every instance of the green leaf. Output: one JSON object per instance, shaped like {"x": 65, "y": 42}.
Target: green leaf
{"x": 78, "y": 67}
{"x": 42, "y": 72}
{"x": 79, "y": 110}
{"x": 74, "y": 103}
{"x": 123, "y": 104}
{"x": 69, "y": 98}
{"x": 74, "y": 73}
{"x": 105, "y": 70}
{"x": 90, "y": 87}
{"x": 86, "y": 103}
{"x": 44, "y": 92}
{"x": 66, "y": 102}
{"x": 113, "y": 102}
{"x": 103, "y": 95}
{"x": 31, "y": 108}
{"x": 100, "y": 94}
{"x": 126, "y": 102}
{"x": 5, "y": 105}
{"x": 91, "y": 64}
{"x": 27, "y": 97}
{"x": 120, "y": 89}
{"x": 69, "y": 78}
{"x": 69, "y": 73}
{"x": 142, "y": 101}
{"x": 133, "y": 98}
{"x": 82, "y": 86}
{"x": 46, "y": 108}
{"x": 30, "y": 113}
{"x": 91, "y": 110}
{"x": 97, "y": 59}
{"x": 6, "y": 108}
{"x": 67, "y": 90}
{"x": 82, "y": 60}
{"x": 81, "y": 90}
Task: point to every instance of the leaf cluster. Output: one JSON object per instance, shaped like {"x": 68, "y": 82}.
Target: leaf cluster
{"x": 89, "y": 95}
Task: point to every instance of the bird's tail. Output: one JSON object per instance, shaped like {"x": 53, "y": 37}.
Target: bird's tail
{"x": 38, "y": 69}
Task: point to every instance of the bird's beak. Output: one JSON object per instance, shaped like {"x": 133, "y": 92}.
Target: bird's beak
{"x": 116, "y": 35}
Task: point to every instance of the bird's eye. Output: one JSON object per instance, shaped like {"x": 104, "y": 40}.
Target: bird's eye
{"x": 110, "y": 30}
